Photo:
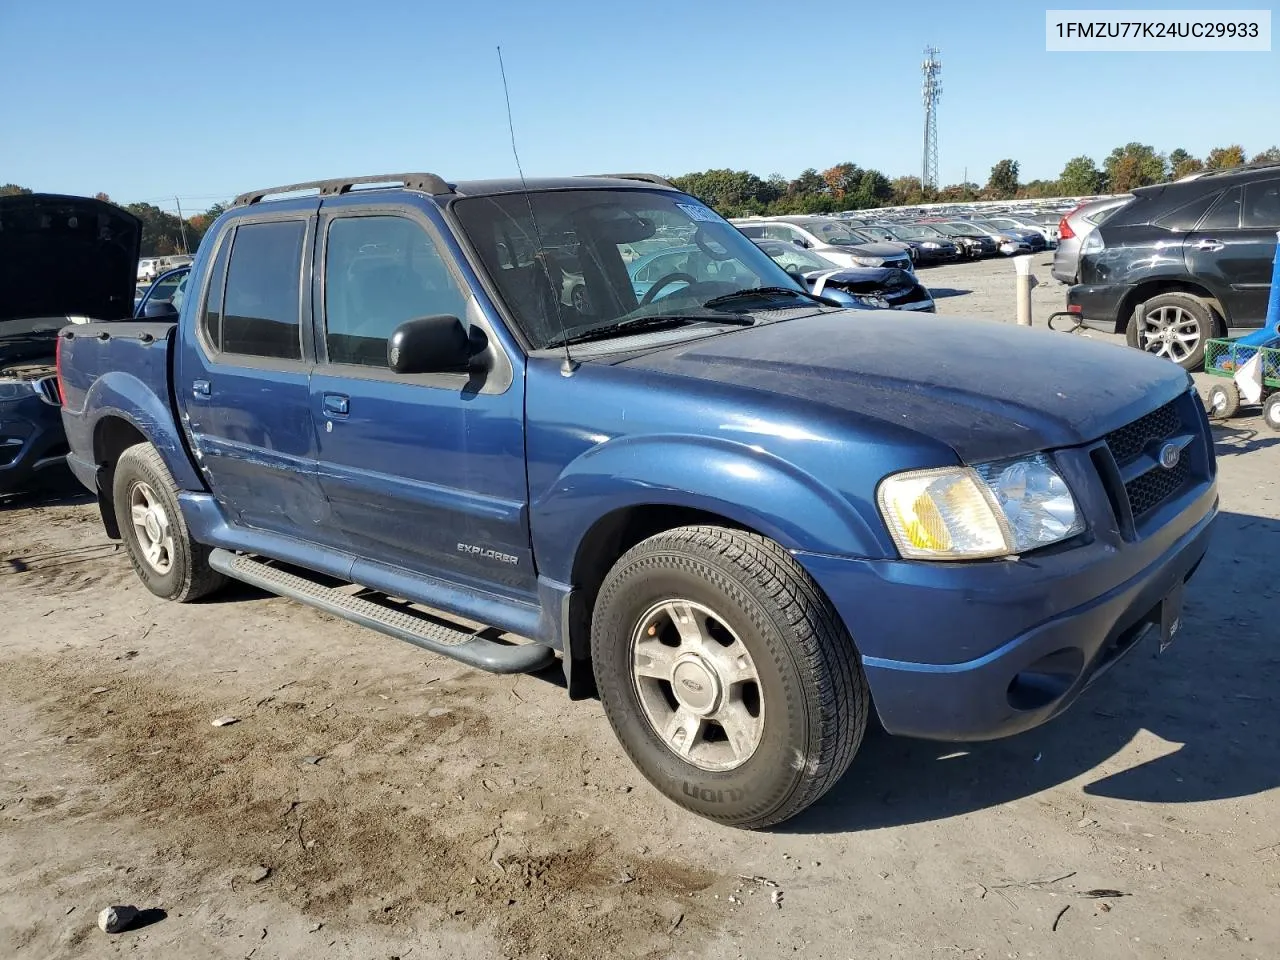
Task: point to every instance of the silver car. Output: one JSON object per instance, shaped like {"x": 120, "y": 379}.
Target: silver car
{"x": 1075, "y": 226}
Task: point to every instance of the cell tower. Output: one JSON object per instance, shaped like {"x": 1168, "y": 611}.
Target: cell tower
{"x": 931, "y": 92}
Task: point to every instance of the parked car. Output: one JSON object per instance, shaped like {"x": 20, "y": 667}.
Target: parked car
{"x": 44, "y": 239}
{"x": 1009, "y": 244}
{"x": 148, "y": 270}
{"x": 831, "y": 239}
{"x": 747, "y": 517}
{"x": 928, "y": 246}
{"x": 972, "y": 242}
{"x": 1075, "y": 226}
{"x": 864, "y": 287}
{"x": 1046, "y": 232}
{"x": 1034, "y": 239}
{"x": 1183, "y": 262}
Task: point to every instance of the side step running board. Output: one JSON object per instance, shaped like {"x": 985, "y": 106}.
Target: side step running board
{"x": 470, "y": 648}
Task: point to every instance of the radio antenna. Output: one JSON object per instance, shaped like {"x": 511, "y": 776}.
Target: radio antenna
{"x": 569, "y": 365}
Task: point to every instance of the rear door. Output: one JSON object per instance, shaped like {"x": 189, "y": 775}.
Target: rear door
{"x": 244, "y": 372}
{"x": 424, "y": 472}
{"x": 1233, "y": 246}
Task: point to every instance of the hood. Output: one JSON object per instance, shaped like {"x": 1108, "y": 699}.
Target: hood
{"x": 66, "y": 256}
{"x": 870, "y": 249}
{"x": 862, "y": 279}
{"x": 984, "y": 389}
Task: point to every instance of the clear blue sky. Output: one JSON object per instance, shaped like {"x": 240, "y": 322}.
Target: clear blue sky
{"x": 204, "y": 100}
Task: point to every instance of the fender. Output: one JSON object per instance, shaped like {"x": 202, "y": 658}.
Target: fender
{"x": 123, "y": 395}
{"x": 745, "y": 484}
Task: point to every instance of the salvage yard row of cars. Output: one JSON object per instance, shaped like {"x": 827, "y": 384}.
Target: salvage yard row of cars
{"x": 636, "y": 444}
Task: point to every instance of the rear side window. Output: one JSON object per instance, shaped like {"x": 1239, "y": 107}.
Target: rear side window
{"x": 211, "y": 321}
{"x": 1262, "y": 205}
{"x": 262, "y": 295}
{"x": 754, "y": 231}
{"x": 379, "y": 272}
{"x": 1185, "y": 217}
{"x": 1225, "y": 214}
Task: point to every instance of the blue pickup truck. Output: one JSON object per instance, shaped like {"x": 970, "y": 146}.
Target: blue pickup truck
{"x": 743, "y": 516}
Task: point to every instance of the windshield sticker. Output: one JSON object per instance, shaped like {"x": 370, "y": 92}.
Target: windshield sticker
{"x": 697, "y": 211}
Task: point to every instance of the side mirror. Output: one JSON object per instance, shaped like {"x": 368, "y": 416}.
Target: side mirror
{"x": 437, "y": 344}
{"x": 160, "y": 310}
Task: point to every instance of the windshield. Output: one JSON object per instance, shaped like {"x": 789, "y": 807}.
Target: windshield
{"x": 603, "y": 257}
{"x": 877, "y": 233}
{"x": 832, "y": 232}
{"x": 917, "y": 232}
{"x": 790, "y": 257}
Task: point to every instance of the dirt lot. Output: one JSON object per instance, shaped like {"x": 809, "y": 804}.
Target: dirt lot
{"x": 373, "y": 801}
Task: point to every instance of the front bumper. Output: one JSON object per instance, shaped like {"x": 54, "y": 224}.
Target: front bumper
{"x": 1099, "y": 303}
{"x": 982, "y": 651}
{"x": 31, "y": 441}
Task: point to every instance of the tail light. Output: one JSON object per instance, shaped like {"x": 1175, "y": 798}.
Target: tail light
{"x": 57, "y": 366}
{"x": 1064, "y": 230}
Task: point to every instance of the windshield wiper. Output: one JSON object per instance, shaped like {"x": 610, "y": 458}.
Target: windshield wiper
{"x": 755, "y": 292}
{"x": 655, "y": 322}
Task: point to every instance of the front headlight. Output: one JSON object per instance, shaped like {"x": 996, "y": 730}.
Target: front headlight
{"x": 868, "y": 261}
{"x": 929, "y": 245}
{"x": 15, "y": 389}
{"x": 968, "y": 513}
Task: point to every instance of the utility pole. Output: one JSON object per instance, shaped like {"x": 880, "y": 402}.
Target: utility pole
{"x": 931, "y": 92}
{"x": 182, "y": 225}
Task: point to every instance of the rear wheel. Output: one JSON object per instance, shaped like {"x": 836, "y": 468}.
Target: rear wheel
{"x": 1174, "y": 326}
{"x": 1222, "y": 402}
{"x": 1271, "y": 412}
{"x": 727, "y": 675}
{"x": 166, "y": 559}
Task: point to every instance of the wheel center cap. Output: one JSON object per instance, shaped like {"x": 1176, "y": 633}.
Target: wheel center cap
{"x": 696, "y": 686}
{"x": 152, "y": 526}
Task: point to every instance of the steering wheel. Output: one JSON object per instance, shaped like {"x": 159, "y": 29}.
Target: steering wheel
{"x": 662, "y": 282}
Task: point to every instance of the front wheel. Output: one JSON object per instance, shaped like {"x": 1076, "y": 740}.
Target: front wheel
{"x": 167, "y": 560}
{"x": 1223, "y": 401}
{"x": 726, "y": 675}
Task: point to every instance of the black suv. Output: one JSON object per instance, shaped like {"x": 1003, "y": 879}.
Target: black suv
{"x": 1183, "y": 262}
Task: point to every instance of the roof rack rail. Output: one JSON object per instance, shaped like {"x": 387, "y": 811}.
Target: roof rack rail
{"x": 642, "y": 177}
{"x": 1228, "y": 171}
{"x": 426, "y": 182}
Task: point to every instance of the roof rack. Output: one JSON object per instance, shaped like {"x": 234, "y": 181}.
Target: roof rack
{"x": 642, "y": 177}
{"x": 426, "y": 182}
{"x": 1228, "y": 171}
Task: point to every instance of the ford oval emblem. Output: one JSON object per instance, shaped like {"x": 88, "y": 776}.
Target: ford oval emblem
{"x": 1170, "y": 454}
{"x": 692, "y": 684}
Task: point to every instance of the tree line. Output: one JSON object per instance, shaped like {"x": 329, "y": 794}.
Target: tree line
{"x": 846, "y": 186}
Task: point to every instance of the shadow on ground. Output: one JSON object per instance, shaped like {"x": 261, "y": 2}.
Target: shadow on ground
{"x": 1210, "y": 696}
{"x": 942, "y": 293}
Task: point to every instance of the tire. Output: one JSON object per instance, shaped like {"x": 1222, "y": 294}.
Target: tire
{"x": 1271, "y": 412}
{"x": 1174, "y": 326}
{"x": 1222, "y": 402}
{"x": 176, "y": 567}
{"x": 748, "y": 596}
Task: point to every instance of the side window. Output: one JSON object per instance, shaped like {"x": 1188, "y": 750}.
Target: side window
{"x": 211, "y": 321}
{"x": 262, "y": 300}
{"x": 780, "y": 231}
{"x": 1262, "y": 205}
{"x": 755, "y": 231}
{"x": 1225, "y": 214}
{"x": 1188, "y": 215}
{"x": 379, "y": 272}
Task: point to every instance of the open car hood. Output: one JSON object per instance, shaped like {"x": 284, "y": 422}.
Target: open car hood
{"x": 66, "y": 256}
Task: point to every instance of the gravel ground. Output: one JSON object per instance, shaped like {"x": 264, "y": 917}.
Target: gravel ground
{"x": 373, "y": 801}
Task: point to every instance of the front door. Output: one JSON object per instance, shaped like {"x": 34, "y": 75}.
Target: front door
{"x": 1233, "y": 247}
{"x": 424, "y": 472}
{"x": 244, "y": 378}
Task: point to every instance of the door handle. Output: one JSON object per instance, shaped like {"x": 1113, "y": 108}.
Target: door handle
{"x": 1209, "y": 245}
{"x": 336, "y": 405}
{"x": 201, "y": 388}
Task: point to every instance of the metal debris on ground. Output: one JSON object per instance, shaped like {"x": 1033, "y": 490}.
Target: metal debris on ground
{"x": 225, "y": 721}
{"x": 1103, "y": 894}
{"x": 117, "y": 919}
{"x": 776, "y": 899}
{"x": 1058, "y": 918}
